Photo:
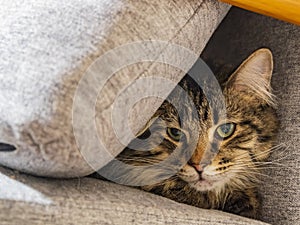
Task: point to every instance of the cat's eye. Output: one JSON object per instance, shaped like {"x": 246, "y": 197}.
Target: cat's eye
{"x": 225, "y": 130}
{"x": 174, "y": 133}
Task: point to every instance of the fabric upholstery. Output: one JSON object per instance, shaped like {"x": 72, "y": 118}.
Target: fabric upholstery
{"x": 47, "y": 46}
{"x": 92, "y": 201}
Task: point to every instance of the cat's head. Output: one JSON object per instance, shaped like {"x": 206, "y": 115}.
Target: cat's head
{"x": 228, "y": 150}
{"x": 245, "y": 137}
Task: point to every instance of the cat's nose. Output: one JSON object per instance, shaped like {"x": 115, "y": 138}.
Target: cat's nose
{"x": 198, "y": 167}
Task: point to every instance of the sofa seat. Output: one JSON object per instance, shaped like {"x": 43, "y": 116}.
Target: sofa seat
{"x": 93, "y": 201}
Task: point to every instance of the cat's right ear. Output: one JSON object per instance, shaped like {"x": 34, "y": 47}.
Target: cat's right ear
{"x": 254, "y": 74}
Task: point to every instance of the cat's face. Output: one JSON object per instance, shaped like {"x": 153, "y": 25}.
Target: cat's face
{"x": 243, "y": 139}
{"x": 228, "y": 149}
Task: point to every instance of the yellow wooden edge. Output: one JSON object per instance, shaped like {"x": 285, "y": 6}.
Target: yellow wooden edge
{"x": 287, "y": 10}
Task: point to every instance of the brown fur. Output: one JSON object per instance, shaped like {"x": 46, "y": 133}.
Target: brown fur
{"x": 229, "y": 181}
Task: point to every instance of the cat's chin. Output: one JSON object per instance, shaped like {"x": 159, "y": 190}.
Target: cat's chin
{"x": 203, "y": 185}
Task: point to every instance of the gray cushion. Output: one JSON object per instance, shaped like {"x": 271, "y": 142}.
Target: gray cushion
{"x": 240, "y": 34}
{"x": 46, "y": 48}
{"x": 92, "y": 201}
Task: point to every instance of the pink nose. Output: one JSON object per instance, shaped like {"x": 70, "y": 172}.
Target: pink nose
{"x": 198, "y": 167}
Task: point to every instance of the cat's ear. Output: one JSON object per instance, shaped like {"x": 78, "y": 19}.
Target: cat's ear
{"x": 255, "y": 73}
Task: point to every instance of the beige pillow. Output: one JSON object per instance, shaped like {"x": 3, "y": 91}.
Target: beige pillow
{"x": 46, "y": 48}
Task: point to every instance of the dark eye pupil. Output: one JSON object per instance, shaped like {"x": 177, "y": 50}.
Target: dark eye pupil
{"x": 175, "y": 132}
{"x": 226, "y": 128}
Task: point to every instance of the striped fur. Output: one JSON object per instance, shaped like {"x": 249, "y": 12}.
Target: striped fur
{"x": 230, "y": 180}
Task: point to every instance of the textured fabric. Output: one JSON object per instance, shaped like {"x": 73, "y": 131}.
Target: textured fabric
{"x": 45, "y": 48}
{"x": 238, "y": 36}
{"x": 92, "y": 201}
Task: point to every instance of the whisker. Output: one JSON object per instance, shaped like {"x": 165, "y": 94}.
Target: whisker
{"x": 275, "y": 148}
{"x": 265, "y": 165}
{"x": 247, "y": 173}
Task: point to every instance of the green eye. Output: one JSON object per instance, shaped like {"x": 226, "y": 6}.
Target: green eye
{"x": 174, "y": 133}
{"x": 225, "y": 130}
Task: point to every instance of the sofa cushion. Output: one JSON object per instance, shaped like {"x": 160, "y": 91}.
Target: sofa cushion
{"x": 47, "y": 47}
{"x": 92, "y": 201}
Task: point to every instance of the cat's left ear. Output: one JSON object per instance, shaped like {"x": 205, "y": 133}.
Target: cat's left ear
{"x": 254, "y": 74}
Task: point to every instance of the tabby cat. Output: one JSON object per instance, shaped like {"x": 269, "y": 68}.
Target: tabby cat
{"x": 237, "y": 144}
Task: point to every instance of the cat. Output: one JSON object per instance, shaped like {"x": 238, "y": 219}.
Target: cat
{"x": 244, "y": 139}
